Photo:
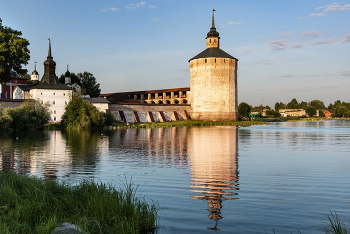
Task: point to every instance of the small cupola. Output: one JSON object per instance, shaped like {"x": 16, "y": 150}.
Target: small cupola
{"x": 67, "y": 79}
{"x": 213, "y": 36}
{"x": 34, "y": 77}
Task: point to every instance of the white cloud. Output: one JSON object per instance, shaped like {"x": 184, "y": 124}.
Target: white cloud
{"x": 309, "y": 34}
{"x": 134, "y": 6}
{"x": 289, "y": 34}
{"x": 296, "y": 46}
{"x": 317, "y": 15}
{"x": 114, "y": 9}
{"x": 103, "y": 10}
{"x": 277, "y": 44}
{"x": 334, "y": 7}
{"x": 346, "y": 38}
{"x": 288, "y": 76}
{"x": 231, "y": 22}
{"x": 155, "y": 19}
{"x": 152, "y": 7}
{"x": 332, "y": 40}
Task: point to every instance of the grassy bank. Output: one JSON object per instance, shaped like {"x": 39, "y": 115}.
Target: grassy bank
{"x": 32, "y": 205}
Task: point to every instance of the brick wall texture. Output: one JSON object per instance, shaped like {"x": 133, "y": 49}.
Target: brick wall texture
{"x": 213, "y": 89}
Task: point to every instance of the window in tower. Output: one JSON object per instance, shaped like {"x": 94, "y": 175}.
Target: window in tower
{"x": 209, "y": 40}
{"x": 205, "y": 60}
{"x": 215, "y": 60}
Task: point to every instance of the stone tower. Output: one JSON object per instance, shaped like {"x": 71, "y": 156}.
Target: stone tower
{"x": 34, "y": 77}
{"x": 49, "y": 76}
{"x": 213, "y": 78}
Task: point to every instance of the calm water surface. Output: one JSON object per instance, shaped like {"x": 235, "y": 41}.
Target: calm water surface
{"x": 281, "y": 176}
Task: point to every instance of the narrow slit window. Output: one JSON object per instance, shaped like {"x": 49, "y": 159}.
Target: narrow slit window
{"x": 205, "y": 60}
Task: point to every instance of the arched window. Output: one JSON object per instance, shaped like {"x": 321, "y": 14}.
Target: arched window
{"x": 167, "y": 102}
{"x": 215, "y": 60}
{"x": 184, "y": 101}
{"x": 53, "y": 103}
{"x": 205, "y": 60}
{"x": 209, "y": 40}
{"x": 176, "y": 102}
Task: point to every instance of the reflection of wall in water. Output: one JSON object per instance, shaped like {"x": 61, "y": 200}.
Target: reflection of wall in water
{"x": 213, "y": 155}
{"x": 164, "y": 146}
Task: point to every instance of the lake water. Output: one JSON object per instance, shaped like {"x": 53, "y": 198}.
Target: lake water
{"x": 281, "y": 176}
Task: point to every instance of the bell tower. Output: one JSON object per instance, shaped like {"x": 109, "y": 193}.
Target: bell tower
{"x": 213, "y": 80}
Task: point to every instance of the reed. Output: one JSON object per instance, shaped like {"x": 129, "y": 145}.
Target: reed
{"x": 32, "y": 205}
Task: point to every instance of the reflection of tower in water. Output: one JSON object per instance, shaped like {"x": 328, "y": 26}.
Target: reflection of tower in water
{"x": 214, "y": 166}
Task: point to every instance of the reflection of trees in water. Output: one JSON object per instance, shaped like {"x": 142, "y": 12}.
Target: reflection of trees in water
{"x": 214, "y": 165}
{"x": 17, "y": 149}
{"x": 83, "y": 147}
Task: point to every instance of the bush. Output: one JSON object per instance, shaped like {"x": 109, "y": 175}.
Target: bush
{"x": 29, "y": 115}
{"x": 82, "y": 114}
{"x": 109, "y": 118}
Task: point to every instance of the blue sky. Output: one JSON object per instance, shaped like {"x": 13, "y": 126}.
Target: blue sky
{"x": 286, "y": 49}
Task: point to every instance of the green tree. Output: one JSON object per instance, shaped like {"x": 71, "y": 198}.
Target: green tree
{"x": 74, "y": 79}
{"x": 269, "y": 112}
{"x": 244, "y": 109}
{"x": 29, "y": 115}
{"x": 336, "y": 104}
{"x": 310, "y": 111}
{"x": 341, "y": 111}
{"x": 261, "y": 107}
{"x": 303, "y": 105}
{"x": 276, "y": 114}
{"x": 14, "y": 52}
{"x": 279, "y": 105}
{"x": 80, "y": 113}
{"x": 319, "y": 105}
{"x": 89, "y": 84}
{"x": 293, "y": 104}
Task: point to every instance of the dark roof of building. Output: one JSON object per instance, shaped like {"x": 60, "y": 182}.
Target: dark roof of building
{"x": 51, "y": 86}
{"x": 15, "y": 75}
{"x": 148, "y": 91}
{"x": 97, "y": 100}
{"x": 24, "y": 87}
{"x": 213, "y": 53}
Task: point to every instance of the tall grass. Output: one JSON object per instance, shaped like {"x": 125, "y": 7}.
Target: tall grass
{"x": 32, "y": 205}
{"x": 335, "y": 226}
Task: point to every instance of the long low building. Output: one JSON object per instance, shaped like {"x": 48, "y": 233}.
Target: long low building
{"x": 292, "y": 112}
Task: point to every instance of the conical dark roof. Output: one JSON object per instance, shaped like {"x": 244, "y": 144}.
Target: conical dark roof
{"x": 213, "y": 32}
{"x": 49, "y": 76}
{"x": 213, "y": 53}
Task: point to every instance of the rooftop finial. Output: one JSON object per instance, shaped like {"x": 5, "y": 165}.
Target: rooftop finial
{"x": 67, "y": 67}
{"x": 213, "y": 24}
{"x": 35, "y": 66}
{"x": 49, "y": 55}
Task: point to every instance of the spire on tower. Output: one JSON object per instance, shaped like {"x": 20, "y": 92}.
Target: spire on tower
{"x": 212, "y": 23}
{"x": 49, "y": 55}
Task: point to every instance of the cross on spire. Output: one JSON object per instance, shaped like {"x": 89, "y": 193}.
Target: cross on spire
{"x": 212, "y": 23}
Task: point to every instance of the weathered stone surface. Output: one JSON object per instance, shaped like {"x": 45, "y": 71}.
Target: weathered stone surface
{"x": 67, "y": 228}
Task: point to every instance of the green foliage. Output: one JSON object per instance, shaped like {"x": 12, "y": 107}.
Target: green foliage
{"x": 276, "y": 114}
{"x": 29, "y": 115}
{"x": 280, "y": 105}
{"x": 82, "y": 114}
{"x": 14, "y": 52}
{"x": 293, "y": 104}
{"x": 310, "y": 111}
{"x": 303, "y": 105}
{"x": 320, "y": 113}
{"x": 317, "y": 104}
{"x": 244, "y": 109}
{"x": 74, "y": 79}
{"x": 89, "y": 84}
{"x": 269, "y": 112}
{"x": 335, "y": 226}
{"x": 109, "y": 118}
{"x": 32, "y": 205}
{"x": 261, "y": 107}
{"x": 341, "y": 111}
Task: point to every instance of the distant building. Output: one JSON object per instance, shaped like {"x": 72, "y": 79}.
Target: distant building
{"x": 328, "y": 112}
{"x": 257, "y": 111}
{"x": 7, "y": 89}
{"x": 292, "y": 112}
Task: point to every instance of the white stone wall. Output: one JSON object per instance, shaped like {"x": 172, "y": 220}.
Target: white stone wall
{"x": 58, "y": 99}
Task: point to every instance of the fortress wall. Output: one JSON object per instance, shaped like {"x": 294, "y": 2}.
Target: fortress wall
{"x": 11, "y": 103}
{"x": 143, "y": 112}
{"x": 213, "y": 89}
